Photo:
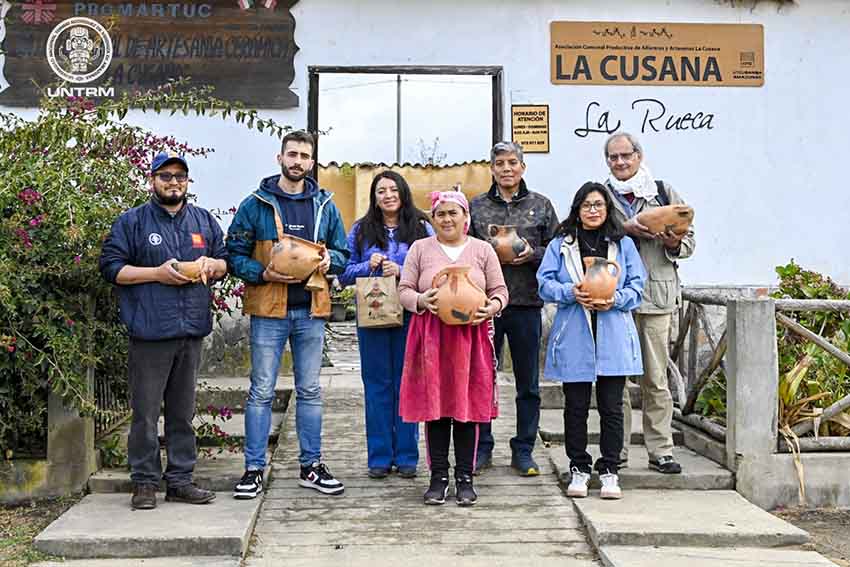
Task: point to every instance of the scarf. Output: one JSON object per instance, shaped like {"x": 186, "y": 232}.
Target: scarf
{"x": 440, "y": 197}
{"x": 642, "y": 184}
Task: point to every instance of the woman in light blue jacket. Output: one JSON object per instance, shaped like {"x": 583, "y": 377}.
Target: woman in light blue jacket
{"x": 592, "y": 341}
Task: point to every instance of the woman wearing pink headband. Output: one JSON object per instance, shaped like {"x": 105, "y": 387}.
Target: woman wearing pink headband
{"x": 449, "y": 373}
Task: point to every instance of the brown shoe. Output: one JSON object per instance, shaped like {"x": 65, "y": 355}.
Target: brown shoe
{"x": 144, "y": 496}
{"x": 190, "y": 494}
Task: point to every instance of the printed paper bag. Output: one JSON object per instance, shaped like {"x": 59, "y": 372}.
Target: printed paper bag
{"x": 378, "y": 304}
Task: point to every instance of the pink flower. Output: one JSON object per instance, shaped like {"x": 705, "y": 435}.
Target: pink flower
{"x": 29, "y": 196}
{"x": 69, "y": 322}
{"x": 34, "y": 222}
{"x": 10, "y": 348}
{"x": 24, "y": 236}
{"x": 78, "y": 259}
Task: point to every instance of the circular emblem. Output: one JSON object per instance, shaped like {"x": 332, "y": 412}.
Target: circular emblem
{"x": 154, "y": 239}
{"x": 79, "y": 50}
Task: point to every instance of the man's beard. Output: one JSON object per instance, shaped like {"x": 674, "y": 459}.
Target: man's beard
{"x": 167, "y": 199}
{"x": 291, "y": 176}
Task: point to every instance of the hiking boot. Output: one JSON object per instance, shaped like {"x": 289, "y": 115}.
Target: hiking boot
{"x": 666, "y": 465}
{"x": 578, "y": 484}
{"x": 438, "y": 489}
{"x": 407, "y": 472}
{"x": 144, "y": 496}
{"x": 464, "y": 491}
{"x": 249, "y": 486}
{"x": 482, "y": 461}
{"x": 318, "y": 477}
{"x": 610, "y": 487}
{"x": 378, "y": 472}
{"x": 524, "y": 465}
{"x": 189, "y": 493}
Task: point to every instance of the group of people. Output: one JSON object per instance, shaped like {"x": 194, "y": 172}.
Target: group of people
{"x": 424, "y": 370}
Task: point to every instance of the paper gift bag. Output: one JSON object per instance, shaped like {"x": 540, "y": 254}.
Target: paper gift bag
{"x": 378, "y": 304}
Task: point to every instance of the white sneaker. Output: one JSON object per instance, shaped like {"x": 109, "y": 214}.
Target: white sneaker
{"x": 610, "y": 487}
{"x": 578, "y": 484}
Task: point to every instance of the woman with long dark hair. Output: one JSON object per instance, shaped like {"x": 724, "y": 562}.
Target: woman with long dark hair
{"x": 592, "y": 341}
{"x": 379, "y": 242}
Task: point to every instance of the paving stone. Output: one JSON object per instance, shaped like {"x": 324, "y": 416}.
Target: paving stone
{"x": 698, "y": 518}
{"x": 104, "y": 526}
{"x": 552, "y": 427}
{"x": 698, "y": 472}
{"x": 150, "y": 562}
{"x": 629, "y": 556}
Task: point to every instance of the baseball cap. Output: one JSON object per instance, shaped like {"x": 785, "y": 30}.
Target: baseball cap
{"x": 164, "y": 158}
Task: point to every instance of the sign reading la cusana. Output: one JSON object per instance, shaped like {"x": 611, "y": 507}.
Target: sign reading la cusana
{"x": 663, "y": 54}
{"x": 245, "y": 49}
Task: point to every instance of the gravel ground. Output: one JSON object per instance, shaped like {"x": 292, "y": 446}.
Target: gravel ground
{"x": 828, "y": 527}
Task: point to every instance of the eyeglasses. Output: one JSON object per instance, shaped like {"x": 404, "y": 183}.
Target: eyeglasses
{"x": 166, "y": 177}
{"x": 625, "y": 157}
{"x": 598, "y": 205}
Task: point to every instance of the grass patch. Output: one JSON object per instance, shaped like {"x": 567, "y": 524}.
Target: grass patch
{"x": 20, "y": 524}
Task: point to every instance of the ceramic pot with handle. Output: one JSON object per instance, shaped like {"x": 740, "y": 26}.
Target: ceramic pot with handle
{"x": 506, "y": 241}
{"x": 296, "y": 257}
{"x": 598, "y": 280}
{"x": 458, "y": 297}
{"x": 191, "y": 270}
{"x": 677, "y": 218}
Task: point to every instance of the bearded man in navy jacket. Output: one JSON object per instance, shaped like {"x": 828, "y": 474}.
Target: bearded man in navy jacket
{"x": 167, "y": 316}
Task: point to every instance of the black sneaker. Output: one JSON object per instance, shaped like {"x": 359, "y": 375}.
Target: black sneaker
{"x": 407, "y": 472}
{"x": 464, "y": 491}
{"x": 318, "y": 477}
{"x": 144, "y": 496}
{"x": 482, "y": 461}
{"x": 665, "y": 465}
{"x": 438, "y": 489}
{"x": 190, "y": 494}
{"x": 378, "y": 472}
{"x": 250, "y": 485}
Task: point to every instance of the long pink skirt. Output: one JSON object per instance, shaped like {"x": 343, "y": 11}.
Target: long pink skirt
{"x": 449, "y": 371}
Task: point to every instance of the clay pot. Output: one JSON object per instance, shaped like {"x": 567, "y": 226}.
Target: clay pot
{"x": 677, "y": 218}
{"x": 505, "y": 240}
{"x": 191, "y": 270}
{"x": 459, "y": 298}
{"x": 296, "y": 257}
{"x": 598, "y": 280}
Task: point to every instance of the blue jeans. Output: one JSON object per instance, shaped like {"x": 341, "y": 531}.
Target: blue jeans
{"x": 389, "y": 440}
{"x": 523, "y": 327}
{"x": 268, "y": 337}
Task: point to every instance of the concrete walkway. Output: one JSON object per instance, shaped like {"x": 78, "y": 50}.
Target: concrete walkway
{"x": 383, "y": 522}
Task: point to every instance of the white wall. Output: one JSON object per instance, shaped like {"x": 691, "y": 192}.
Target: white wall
{"x": 766, "y": 181}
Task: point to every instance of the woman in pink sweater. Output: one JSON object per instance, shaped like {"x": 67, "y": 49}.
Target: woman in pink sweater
{"x": 449, "y": 372}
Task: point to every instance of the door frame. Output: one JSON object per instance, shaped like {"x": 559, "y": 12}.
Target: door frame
{"x": 494, "y": 71}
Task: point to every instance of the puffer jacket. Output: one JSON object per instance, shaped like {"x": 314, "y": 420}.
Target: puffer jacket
{"x": 662, "y": 293}
{"x": 253, "y": 233}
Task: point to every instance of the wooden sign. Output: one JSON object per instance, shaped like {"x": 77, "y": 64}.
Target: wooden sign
{"x": 530, "y": 127}
{"x": 634, "y": 53}
{"x": 245, "y": 49}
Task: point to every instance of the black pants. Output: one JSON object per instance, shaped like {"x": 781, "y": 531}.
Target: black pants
{"x": 163, "y": 370}
{"x": 439, "y": 434}
{"x": 523, "y": 327}
{"x": 609, "y": 402}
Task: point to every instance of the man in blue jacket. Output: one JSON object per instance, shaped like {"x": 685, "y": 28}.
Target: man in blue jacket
{"x": 284, "y": 309}
{"x": 167, "y": 316}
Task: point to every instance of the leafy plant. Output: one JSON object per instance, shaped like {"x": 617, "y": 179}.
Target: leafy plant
{"x": 65, "y": 178}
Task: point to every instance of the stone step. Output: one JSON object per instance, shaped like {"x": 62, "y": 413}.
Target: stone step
{"x": 149, "y": 562}
{"x": 233, "y": 427}
{"x": 552, "y": 427}
{"x": 232, "y": 392}
{"x": 684, "y": 518}
{"x": 104, "y": 526}
{"x": 218, "y": 472}
{"x": 630, "y": 556}
{"x": 698, "y": 473}
{"x": 552, "y": 395}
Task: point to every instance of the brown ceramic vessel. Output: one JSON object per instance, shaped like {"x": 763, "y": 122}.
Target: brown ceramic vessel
{"x": 677, "y": 218}
{"x": 458, "y": 297}
{"x": 296, "y": 257}
{"x": 598, "y": 280}
{"x": 506, "y": 241}
{"x": 191, "y": 270}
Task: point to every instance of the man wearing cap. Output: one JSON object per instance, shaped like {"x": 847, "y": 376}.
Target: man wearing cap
{"x": 510, "y": 203}
{"x": 167, "y": 316}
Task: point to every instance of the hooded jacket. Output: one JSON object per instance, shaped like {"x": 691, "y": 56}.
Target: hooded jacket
{"x": 253, "y": 233}
{"x": 148, "y": 236}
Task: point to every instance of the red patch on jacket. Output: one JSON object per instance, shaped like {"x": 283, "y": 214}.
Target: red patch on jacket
{"x": 198, "y": 240}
